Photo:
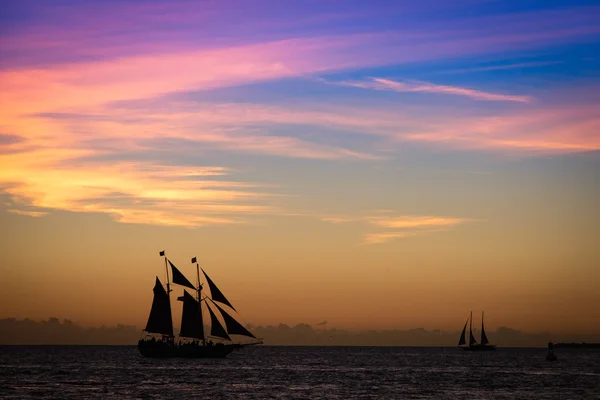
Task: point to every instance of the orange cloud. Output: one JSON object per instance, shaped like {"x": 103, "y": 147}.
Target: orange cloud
{"x": 383, "y": 237}
{"x": 135, "y": 192}
{"x": 410, "y": 221}
{"x": 377, "y": 238}
{"x": 336, "y": 220}
{"x": 50, "y": 163}
{"x": 409, "y": 225}
{"x": 28, "y": 213}
{"x": 399, "y": 227}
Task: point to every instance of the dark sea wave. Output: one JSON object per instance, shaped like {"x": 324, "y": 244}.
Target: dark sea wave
{"x": 272, "y": 372}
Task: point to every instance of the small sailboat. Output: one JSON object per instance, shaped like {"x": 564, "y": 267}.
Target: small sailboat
{"x": 473, "y": 345}
{"x": 158, "y": 339}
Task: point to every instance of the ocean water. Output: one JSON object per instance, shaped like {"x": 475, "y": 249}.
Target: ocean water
{"x": 273, "y": 372}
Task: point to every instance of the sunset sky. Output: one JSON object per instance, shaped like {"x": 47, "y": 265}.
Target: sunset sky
{"x": 372, "y": 164}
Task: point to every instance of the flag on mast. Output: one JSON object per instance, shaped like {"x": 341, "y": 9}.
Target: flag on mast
{"x": 162, "y": 253}
{"x": 193, "y": 260}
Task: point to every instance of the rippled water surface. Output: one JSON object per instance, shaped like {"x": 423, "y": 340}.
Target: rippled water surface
{"x": 265, "y": 372}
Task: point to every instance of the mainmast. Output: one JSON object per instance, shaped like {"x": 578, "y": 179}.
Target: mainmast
{"x": 162, "y": 253}
{"x": 199, "y": 289}
{"x": 199, "y": 294}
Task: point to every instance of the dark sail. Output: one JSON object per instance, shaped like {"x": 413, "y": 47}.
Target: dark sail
{"x": 462, "y": 340}
{"x": 191, "y": 318}
{"x": 160, "y": 320}
{"x": 215, "y": 293}
{"x": 472, "y": 340}
{"x": 216, "y": 329}
{"x": 484, "y": 339}
{"x": 234, "y": 327}
{"x": 179, "y": 278}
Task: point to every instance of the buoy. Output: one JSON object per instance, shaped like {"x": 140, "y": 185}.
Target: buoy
{"x": 551, "y": 356}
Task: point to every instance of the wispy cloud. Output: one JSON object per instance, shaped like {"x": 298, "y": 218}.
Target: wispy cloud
{"x": 244, "y": 128}
{"x": 549, "y": 130}
{"x": 28, "y": 213}
{"x": 426, "y": 87}
{"x": 383, "y": 237}
{"x": 336, "y": 220}
{"x": 409, "y": 225}
{"x": 532, "y": 64}
{"x": 397, "y": 227}
{"x": 53, "y": 156}
{"x": 137, "y": 193}
{"x": 412, "y": 221}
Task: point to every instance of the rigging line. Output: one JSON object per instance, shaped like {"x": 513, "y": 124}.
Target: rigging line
{"x": 240, "y": 319}
{"x": 212, "y": 301}
{"x": 218, "y": 313}
{"x": 205, "y": 313}
{"x": 245, "y": 326}
{"x": 218, "y": 337}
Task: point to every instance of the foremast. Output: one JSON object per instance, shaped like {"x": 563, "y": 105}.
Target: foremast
{"x": 163, "y": 254}
{"x": 160, "y": 320}
{"x": 199, "y": 288}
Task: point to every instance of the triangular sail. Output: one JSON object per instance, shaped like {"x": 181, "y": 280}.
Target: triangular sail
{"x": 191, "y": 318}
{"x": 484, "y": 339}
{"x": 216, "y": 329}
{"x": 215, "y": 293}
{"x": 472, "y": 340}
{"x": 160, "y": 320}
{"x": 234, "y": 327}
{"x": 179, "y": 278}
{"x": 462, "y": 340}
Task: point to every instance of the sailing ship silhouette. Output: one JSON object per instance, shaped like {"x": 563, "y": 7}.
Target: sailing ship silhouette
{"x": 158, "y": 338}
{"x": 473, "y": 345}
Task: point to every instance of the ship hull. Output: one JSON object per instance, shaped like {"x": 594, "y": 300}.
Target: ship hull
{"x": 160, "y": 349}
{"x": 480, "y": 348}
